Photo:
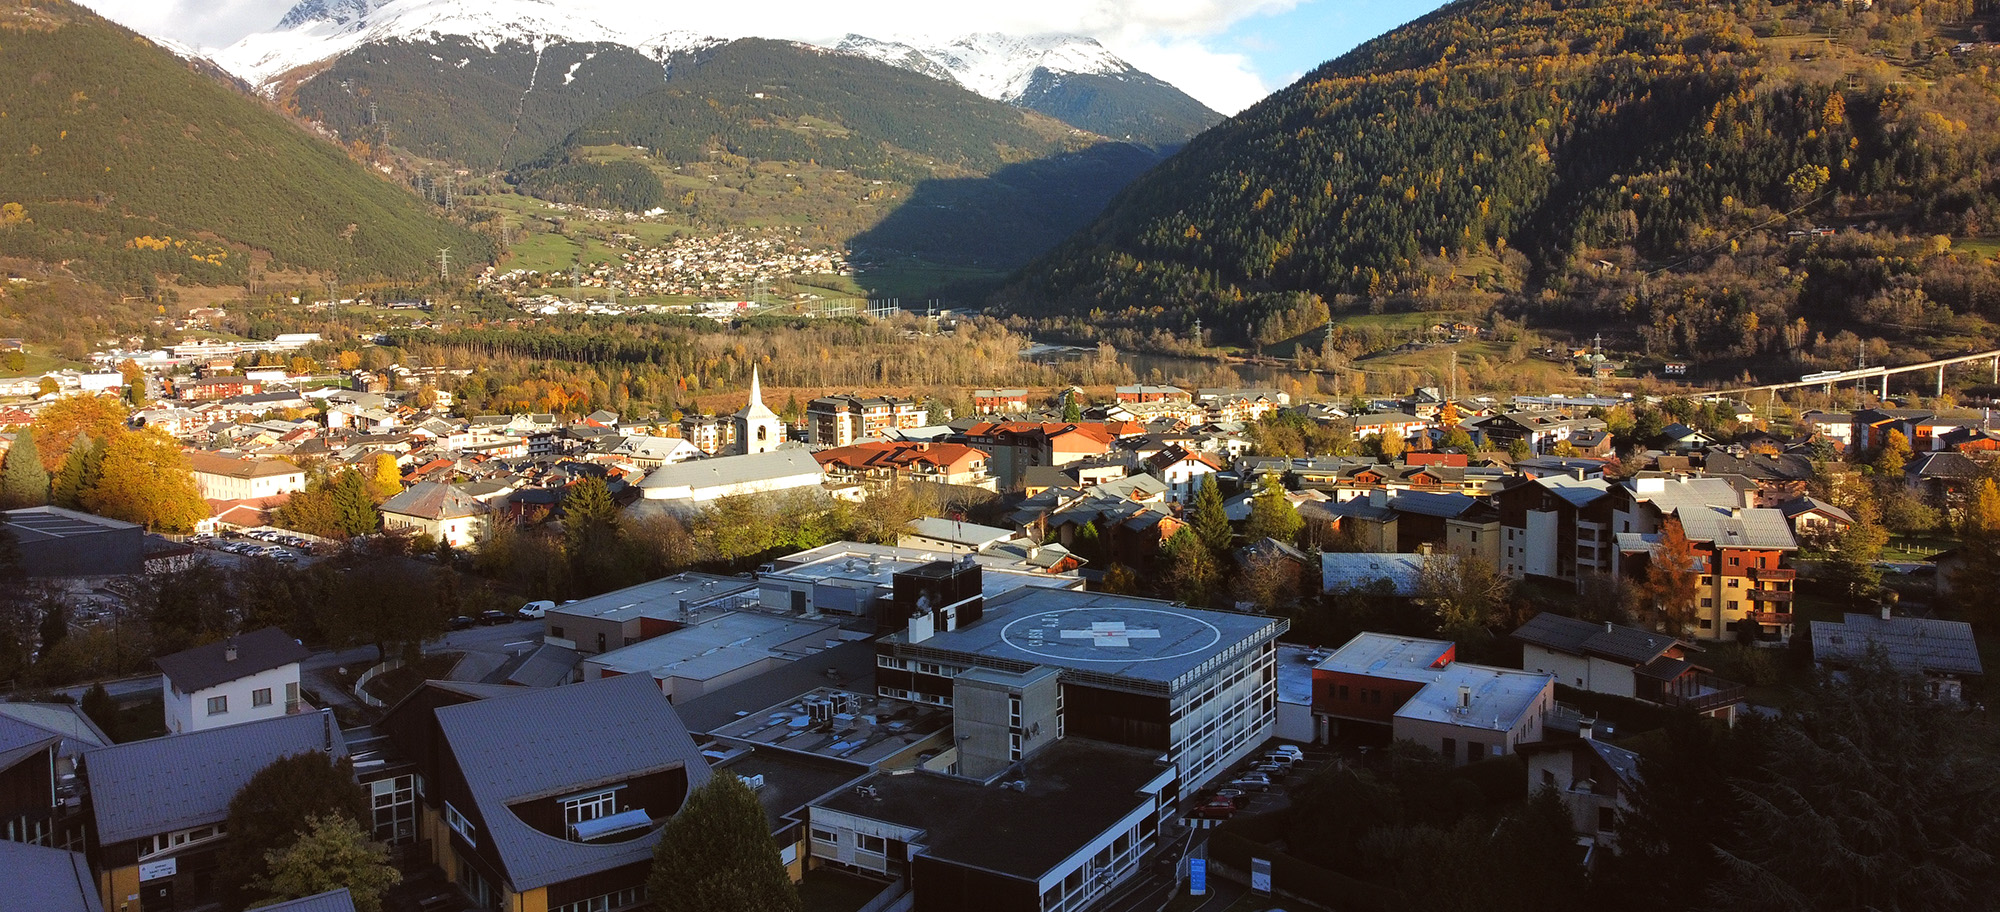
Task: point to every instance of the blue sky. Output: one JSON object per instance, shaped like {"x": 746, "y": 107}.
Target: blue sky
{"x": 1283, "y": 46}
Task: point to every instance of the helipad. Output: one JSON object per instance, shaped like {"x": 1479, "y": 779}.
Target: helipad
{"x": 1104, "y": 633}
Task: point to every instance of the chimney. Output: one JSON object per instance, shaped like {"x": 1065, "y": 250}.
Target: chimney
{"x": 1585, "y": 729}
{"x": 1885, "y": 612}
{"x": 229, "y": 648}
{"x": 1608, "y": 627}
{"x": 1464, "y": 697}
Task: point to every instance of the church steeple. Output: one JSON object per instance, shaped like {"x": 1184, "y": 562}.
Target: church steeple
{"x": 758, "y": 429}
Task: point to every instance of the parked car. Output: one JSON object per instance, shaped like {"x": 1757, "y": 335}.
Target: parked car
{"x": 1272, "y": 771}
{"x": 1291, "y": 750}
{"x": 1251, "y": 782}
{"x": 462, "y": 623}
{"x": 535, "y": 610}
{"x": 1235, "y": 796}
{"x": 1218, "y": 809}
{"x": 493, "y": 617}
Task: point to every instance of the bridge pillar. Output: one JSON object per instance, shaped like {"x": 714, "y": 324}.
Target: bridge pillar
{"x": 1885, "y": 384}
{"x": 1940, "y": 380}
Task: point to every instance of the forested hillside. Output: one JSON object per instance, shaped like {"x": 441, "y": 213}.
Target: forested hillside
{"x": 129, "y": 166}
{"x": 1133, "y": 107}
{"x": 852, "y": 150}
{"x": 454, "y": 100}
{"x": 1652, "y": 167}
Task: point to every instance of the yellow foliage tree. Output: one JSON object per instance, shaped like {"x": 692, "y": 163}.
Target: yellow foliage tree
{"x": 387, "y": 480}
{"x": 147, "y": 480}
{"x": 57, "y": 427}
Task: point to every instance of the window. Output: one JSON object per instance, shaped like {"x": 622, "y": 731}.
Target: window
{"x": 556, "y": 632}
{"x": 600, "y": 642}
{"x": 1707, "y": 624}
{"x": 395, "y": 805}
{"x": 460, "y": 825}
{"x": 167, "y": 842}
{"x": 1707, "y": 602}
{"x": 827, "y": 836}
{"x": 291, "y": 698}
{"x": 623, "y": 899}
{"x": 1732, "y": 581}
{"x": 1013, "y": 712}
{"x": 218, "y": 705}
{"x": 1450, "y": 750}
{"x": 590, "y": 807}
{"x": 1475, "y": 751}
{"x": 1549, "y": 778}
{"x": 1343, "y": 691}
{"x": 866, "y": 843}
{"x": 1014, "y": 746}
{"x": 260, "y": 697}
{"x": 1607, "y": 820}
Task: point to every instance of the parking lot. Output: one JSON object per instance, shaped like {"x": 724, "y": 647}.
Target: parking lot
{"x": 268, "y": 544}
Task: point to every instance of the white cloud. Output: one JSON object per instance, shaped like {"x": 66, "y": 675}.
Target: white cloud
{"x": 1222, "y": 80}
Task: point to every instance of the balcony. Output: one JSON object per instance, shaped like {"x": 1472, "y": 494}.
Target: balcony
{"x": 1770, "y": 618}
{"x": 1697, "y": 691}
{"x": 1773, "y": 574}
{"x": 1771, "y": 595}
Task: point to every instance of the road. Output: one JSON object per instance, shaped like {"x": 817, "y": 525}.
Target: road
{"x": 496, "y": 643}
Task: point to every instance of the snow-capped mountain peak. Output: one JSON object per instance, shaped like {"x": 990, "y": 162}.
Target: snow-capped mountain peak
{"x": 316, "y": 30}
{"x": 996, "y": 66}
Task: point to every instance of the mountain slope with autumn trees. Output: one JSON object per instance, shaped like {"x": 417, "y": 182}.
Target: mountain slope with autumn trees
{"x": 131, "y": 167}
{"x": 1652, "y": 168}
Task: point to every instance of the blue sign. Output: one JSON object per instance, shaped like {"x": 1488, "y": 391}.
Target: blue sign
{"x": 1197, "y": 877}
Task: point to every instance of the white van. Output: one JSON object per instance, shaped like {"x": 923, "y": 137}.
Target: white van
{"x": 1289, "y": 750}
{"x": 535, "y": 610}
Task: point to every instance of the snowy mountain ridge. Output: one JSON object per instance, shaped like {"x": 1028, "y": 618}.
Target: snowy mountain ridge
{"x": 1000, "y": 67}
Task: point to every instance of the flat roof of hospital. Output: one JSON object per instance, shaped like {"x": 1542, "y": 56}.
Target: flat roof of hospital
{"x": 660, "y": 598}
{"x": 1102, "y": 633}
{"x": 719, "y": 646}
{"x": 877, "y": 566}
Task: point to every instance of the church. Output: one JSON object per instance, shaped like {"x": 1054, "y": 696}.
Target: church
{"x": 758, "y": 429}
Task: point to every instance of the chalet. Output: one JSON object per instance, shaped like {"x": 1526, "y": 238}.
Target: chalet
{"x": 887, "y": 463}
{"x": 1624, "y": 662}
{"x": 39, "y": 747}
{"x": 1944, "y": 478}
{"x": 1145, "y": 393}
{"x": 1556, "y": 526}
{"x": 1399, "y": 425}
{"x": 1970, "y": 440}
{"x": 439, "y": 510}
{"x": 1939, "y": 654}
{"x": 1871, "y": 426}
{"x": 1541, "y": 429}
{"x": 1834, "y": 427}
{"x": 244, "y": 678}
{"x": 1016, "y": 445}
{"x": 1597, "y": 782}
{"x": 1679, "y": 438}
{"x": 1779, "y": 477}
{"x": 999, "y": 401}
{"x": 1815, "y": 520}
{"x": 1182, "y": 472}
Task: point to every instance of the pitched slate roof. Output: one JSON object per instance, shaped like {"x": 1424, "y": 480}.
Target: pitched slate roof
{"x": 331, "y": 901}
{"x": 42, "y": 879}
{"x": 1911, "y": 645}
{"x": 144, "y": 788}
{"x": 1792, "y": 509}
{"x": 205, "y": 666}
{"x": 1946, "y": 464}
{"x": 548, "y": 742}
{"x": 435, "y": 501}
{"x": 1342, "y": 571}
{"x": 1627, "y": 645}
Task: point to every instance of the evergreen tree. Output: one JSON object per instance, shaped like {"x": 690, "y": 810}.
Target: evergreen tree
{"x": 55, "y": 621}
{"x": 354, "y": 510}
{"x": 591, "y": 536}
{"x": 1519, "y": 450}
{"x": 1208, "y": 519}
{"x": 1191, "y": 570}
{"x": 23, "y": 481}
{"x": 717, "y": 855}
{"x": 333, "y": 852}
{"x": 80, "y": 469}
{"x": 98, "y": 704}
{"x": 1072, "y": 411}
{"x": 1854, "y": 573}
{"x": 135, "y": 394}
{"x": 272, "y": 810}
{"x": 1272, "y": 514}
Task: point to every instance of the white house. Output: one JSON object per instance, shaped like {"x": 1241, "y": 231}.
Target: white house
{"x": 245, "y": 678}
{"x": 227, "y": 478}
{"x": 438, "y": 510}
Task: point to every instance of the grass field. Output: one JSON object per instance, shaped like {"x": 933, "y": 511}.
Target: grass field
{"x": 39, "y": 364}
{"x": 1983, "y": 246}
